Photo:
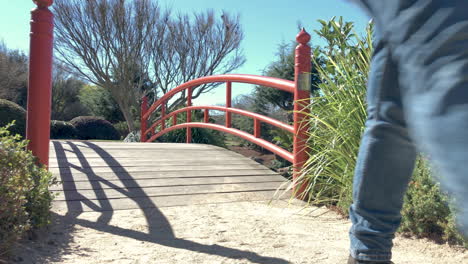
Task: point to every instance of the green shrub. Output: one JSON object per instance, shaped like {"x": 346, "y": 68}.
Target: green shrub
{"x": 122, "y": 128}
{"x": 199, "y": 135}
{"x": 100, "y": 102}
{"x": 426, "y": 210}
{"x": 91, "y": 127}
{"x": 24, "y": 196}
{"x": 62, "y": 130}
{"x": 10, "y": 111}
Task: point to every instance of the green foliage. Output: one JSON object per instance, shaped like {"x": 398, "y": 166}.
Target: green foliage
{"x": 62, "y": 130}
{"x": 13, "y": 75}
{"x": 91, "y": 127}
{"x": 24, "y": 196}
{"x": 10, "y": 111}
{"x": 337, "y": 119}
{"x": 65, "y": 102}
{"x": 282, "y": 67}
{"x": 426, "y": 211}
{"x": 122, "y": 128}
{"x": 199, "y": 135}
{"x": 100, "y": 102}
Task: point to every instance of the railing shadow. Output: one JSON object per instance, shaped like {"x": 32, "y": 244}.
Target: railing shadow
{"x": 159, "y": 228}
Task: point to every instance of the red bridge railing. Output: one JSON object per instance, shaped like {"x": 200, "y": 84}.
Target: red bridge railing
{"x": 300, "y": 87}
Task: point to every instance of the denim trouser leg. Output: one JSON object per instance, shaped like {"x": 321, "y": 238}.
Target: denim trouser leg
{"x": 426, "y": 43}
{"x": 385, "y": 164}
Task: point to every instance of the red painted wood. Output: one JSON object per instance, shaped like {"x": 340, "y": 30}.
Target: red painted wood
{"x": 276, "y": 83}
{"x": 206, "y": 116}
{"x": 257, "y": 126}
{"x": 261, "y": 142}
{"x": 143, "y": 121}
{"x": 163, "y": 116}
{"x": 261, "y": 118}
{"x": 40, "y": 81}
{"x": 228, "y": 103}
{"x": 189, "y": 115}
{"x": 301, "y": 102}
{"x": 174, "y": 120}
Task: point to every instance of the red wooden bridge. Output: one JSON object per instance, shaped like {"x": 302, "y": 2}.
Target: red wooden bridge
{"x": 111, "y": 175}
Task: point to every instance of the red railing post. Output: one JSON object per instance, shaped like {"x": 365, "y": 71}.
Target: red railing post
{"x": 40, "y": 80}
{"x": 228, "y": 103}
{"x": 163, "y": 116}
{"x": 189, "y": 115}
{"x": 257, "y": 127}
{"x": 174, "y": 120}
{"x": 206, "y": 116}
{"x": 301, "y": 101}
{"x": 144, "y": 121}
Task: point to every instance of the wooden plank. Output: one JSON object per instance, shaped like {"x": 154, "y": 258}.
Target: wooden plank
{"x": 162, "y": 191}
{"x": 107, "y": 184}
{"x": 94, "y": 163}
{"x": 119, "y": 144}
{"x": 146, "y": 154}
{"x": 66, "y": 175}
{"x": 163, "y": 201}
{"x": 120, "y": 169}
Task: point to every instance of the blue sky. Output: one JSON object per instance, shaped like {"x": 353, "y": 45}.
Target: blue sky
{"x": 266, "y": 24}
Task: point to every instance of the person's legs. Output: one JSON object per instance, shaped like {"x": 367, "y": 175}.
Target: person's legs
{"x": 426, "y": 44}
{"x": 433, "y": 61}
{"x": 385, "y": 164}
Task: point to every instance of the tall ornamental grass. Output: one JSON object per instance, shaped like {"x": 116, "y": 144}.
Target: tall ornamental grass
{"x": 337, "y": 116}
{"x": 336, "y": 121}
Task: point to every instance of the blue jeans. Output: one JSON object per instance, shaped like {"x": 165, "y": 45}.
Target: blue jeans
{"x": 417, "y": 101}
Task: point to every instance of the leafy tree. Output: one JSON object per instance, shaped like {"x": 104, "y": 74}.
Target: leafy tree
{"x": 99, "y": 102}
{"x": 65, "y": 89}
{"x": 131, "y": 48}
{"x": 266, "y": 99}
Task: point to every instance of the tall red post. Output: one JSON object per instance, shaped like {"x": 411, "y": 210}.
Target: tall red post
{"x": 301, "y": 101}
{"x": 40, "y": 80}
{"x": 189, "y": 115}
{"x": 144, "y": 121}
{"x": 228, "y": 103}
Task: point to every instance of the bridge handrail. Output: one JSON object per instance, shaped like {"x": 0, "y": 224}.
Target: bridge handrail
{"x": 252, "y": 138}
{"x": 276, "y": 83}
{"x": 255, "y": 116}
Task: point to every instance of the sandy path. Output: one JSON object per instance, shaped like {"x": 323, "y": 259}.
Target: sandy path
{"x": 243, "y": 232}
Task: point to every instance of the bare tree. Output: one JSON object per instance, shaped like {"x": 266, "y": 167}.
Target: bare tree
{"x": 13, "y": 75}
{"x": 190, "y": 49}
{"x": 132, "y": 47}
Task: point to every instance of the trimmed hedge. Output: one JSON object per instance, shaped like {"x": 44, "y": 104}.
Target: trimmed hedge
{"x": 10, "y": 111}
{"x": 62, "y": 130}
{"x": 92, "y": 127}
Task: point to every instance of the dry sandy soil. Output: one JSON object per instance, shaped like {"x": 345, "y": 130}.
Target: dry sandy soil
{"x": 242, "y": 232}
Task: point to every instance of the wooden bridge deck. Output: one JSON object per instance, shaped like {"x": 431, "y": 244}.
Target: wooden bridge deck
{"x": 104, "y": 176}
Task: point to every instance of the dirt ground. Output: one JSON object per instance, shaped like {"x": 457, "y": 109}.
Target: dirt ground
{"x": 242, "y": 232}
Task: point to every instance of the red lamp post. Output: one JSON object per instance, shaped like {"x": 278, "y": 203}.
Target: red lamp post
{"x": 40, "y": 80}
